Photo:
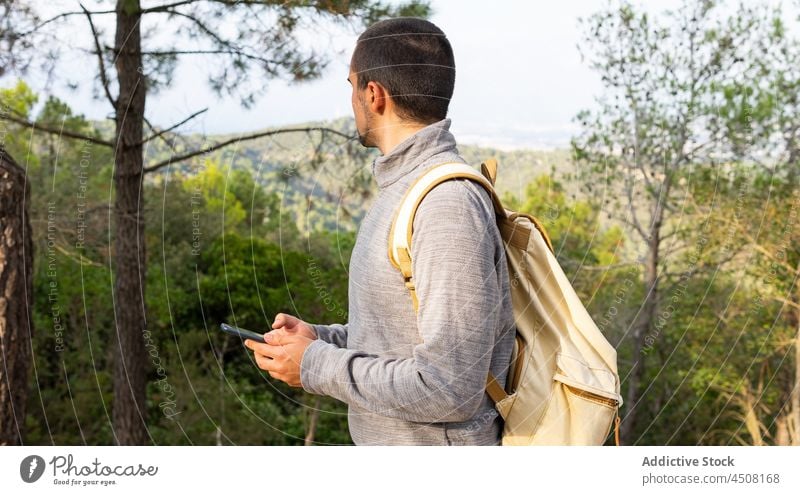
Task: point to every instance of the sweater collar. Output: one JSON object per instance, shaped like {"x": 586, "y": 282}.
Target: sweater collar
{"x": 413, "y": 151}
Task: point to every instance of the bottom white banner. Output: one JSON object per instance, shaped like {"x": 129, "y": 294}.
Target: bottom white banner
{"x": 390, "y": 470}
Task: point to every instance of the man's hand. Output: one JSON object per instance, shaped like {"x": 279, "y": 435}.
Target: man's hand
{"x": 287, "y": 324}
{"x": 281, "y": 355}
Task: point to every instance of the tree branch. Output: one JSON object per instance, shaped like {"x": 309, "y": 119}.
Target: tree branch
{"x": 103, "y": 75}
{"x": 785, "y": 301}
{"x": 698, "y": 268}
{"x": 250, "y": 137}
{"x": 171, "y": 128}
{"x": 153, "y": 130}
{"x": 752, "y": 242}
{"x": 59, "y": 16}
{"x": 239, "y": 53}
{"x": 594, "y": 268}
{"x": 767, "y": 253}
{"x": 634, "y": 222}
{"x": 167, "y": 7}
{"x": 58, "y": 132}
{"x": 210, "y": 32}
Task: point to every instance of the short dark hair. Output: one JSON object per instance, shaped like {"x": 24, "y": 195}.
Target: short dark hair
{"x": 413, "y": 60}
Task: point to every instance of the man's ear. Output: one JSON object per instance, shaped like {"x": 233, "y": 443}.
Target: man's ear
{"x": 377, "y": 97}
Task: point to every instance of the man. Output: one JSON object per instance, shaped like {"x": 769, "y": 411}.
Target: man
{"x": 410, "y": 379}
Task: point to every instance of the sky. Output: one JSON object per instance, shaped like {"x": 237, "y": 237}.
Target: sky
{"x": 519, "y": 77}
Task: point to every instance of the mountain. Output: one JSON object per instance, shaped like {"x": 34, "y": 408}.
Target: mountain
{"x": 327, "y": 183}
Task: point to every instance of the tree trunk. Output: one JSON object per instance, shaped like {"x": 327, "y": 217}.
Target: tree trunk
{"x": 311, "y": 431}
{"x": 794, "y": 415}
{"x": 644, "y": 323}
{"x": 16, "y": 299}
{"x": 753, "y": 425}
{"x": 782, "y": 430}
{"x": 130, "y": 412}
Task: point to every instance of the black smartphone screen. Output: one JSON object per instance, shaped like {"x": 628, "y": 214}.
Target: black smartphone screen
{"x": 242, "y": 333}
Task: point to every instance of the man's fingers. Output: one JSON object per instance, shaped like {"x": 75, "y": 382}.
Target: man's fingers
{"x": 268, "y": 350}
{"x": 280, "y": 337}
{"x": 274, "y": 368}
{"x": 250, "y": 344}
{"x": 277, "y": 376}
{"x": 281, "y": 331}
{"x": 284, "y": 320}
{"x": 265, "y": 363}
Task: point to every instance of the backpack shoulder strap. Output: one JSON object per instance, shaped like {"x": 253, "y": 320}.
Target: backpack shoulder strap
{"x": 402, "y": 225}
{"x": 489, "y": 170}
{"x": 403, "y": 222}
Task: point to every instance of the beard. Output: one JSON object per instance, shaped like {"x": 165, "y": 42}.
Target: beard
{"x": 365, "y": 138}
{"x": 362, "y": 138}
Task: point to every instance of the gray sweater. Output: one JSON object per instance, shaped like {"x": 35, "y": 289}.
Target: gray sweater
{"x": 420, "y": 380}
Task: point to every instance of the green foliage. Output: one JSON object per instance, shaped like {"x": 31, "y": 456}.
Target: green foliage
{"x": 225, "y": 208}
{"x": 211, "y": 258}
{"x": 693, "y": 146}
{"x": 573, "y": 227}
{"x": 19, "y": 99}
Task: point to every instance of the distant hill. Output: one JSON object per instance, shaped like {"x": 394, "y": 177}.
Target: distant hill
{"x": 335, "y": 189}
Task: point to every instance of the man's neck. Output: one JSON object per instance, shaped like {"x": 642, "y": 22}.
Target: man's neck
{"x": 395, "y": 133}
{"x": 434, "y": 139}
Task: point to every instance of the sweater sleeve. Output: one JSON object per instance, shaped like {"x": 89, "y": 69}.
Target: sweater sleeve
{"x": 455, "y": 250}
{"x": 335, "y": 333}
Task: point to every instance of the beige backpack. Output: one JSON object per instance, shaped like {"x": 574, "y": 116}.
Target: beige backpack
{"x": 563, "y": 387}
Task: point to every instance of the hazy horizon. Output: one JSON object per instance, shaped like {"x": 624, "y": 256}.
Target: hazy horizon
{"x": 521, "y": 88}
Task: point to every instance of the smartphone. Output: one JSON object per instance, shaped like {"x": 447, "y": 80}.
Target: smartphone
{"x": 242, "y": 333}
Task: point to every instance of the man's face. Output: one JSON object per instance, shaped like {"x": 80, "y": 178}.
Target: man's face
{"x": 360, "y": 113}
